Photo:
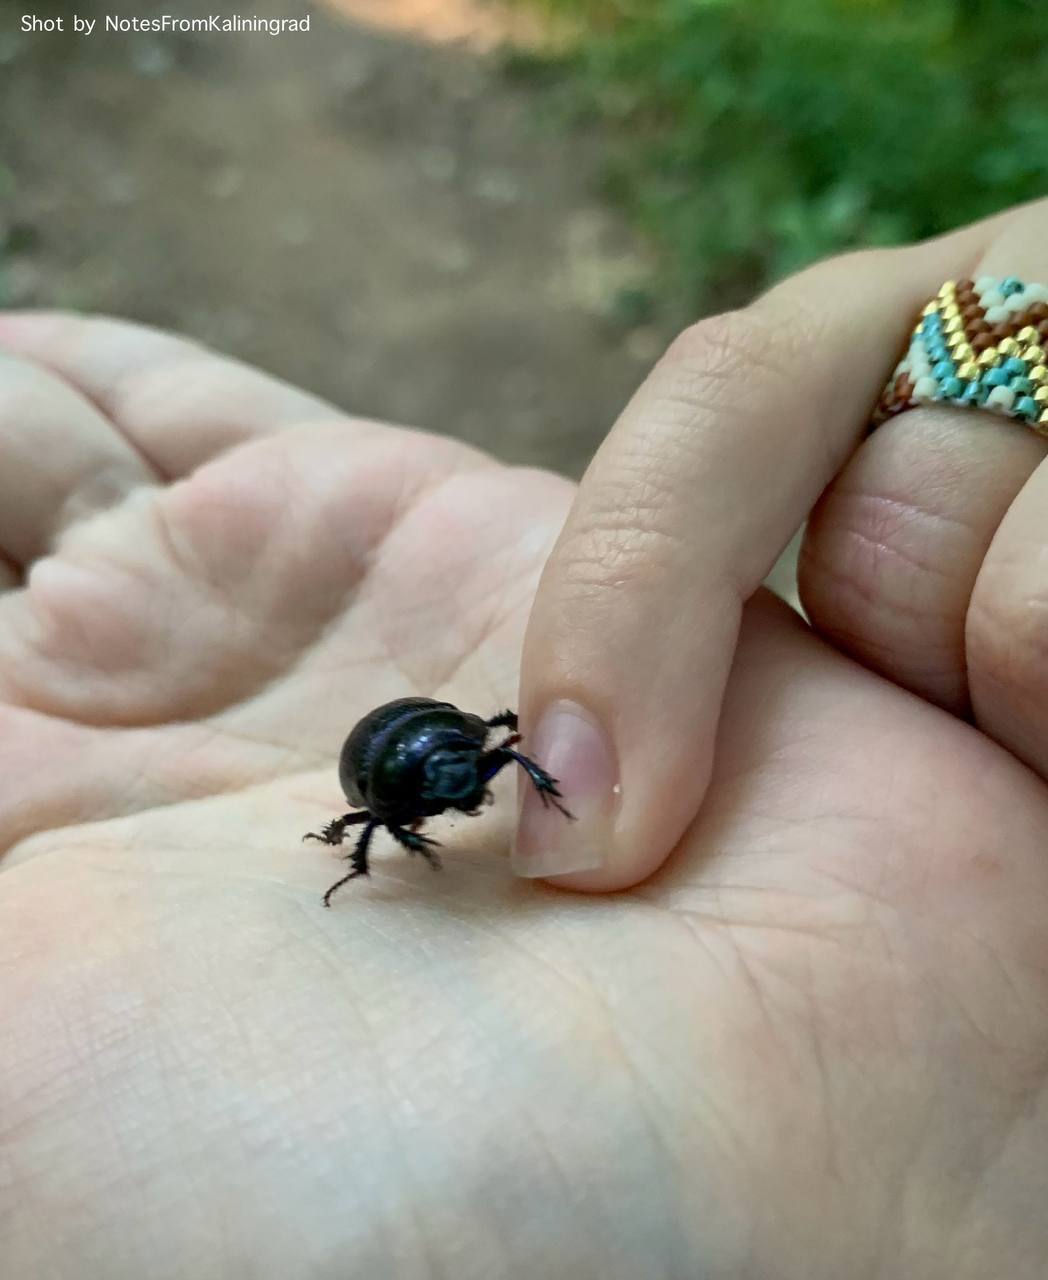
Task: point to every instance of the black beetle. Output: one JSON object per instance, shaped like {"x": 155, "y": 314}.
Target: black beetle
{"x": 413, "y": 758}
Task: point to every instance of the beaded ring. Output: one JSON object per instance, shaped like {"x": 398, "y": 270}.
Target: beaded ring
{"x": 980, "y": 344}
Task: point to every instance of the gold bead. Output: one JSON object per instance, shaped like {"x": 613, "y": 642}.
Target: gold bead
{"x": 955, "y": 324}
{"x": 988, "y": 357}
{"x": 930, "y": 309}
{"x": 1041, "y": 395}
{"x": 1039, "y": 373}
{"x": 948, "y": 289}
{"x": 1029, "y": 334}
{"x": 1043, "y": 419}
{"x": 951, "y": 312}
{"x": 955, "y": 340}
{"x": 968, "y": 370}
{"x": 1033, "y": 354}
{"x": 1008, "y": 347}
{"x": 965, "y": 352}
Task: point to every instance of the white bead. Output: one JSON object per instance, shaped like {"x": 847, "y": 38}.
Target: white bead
{"x": 984, "y": 284}
{"x": 924, "y": 388}
{"x": 1001, "y": 396}
{"x": 1017, "y": 302}
{"x": 996, "y": 314}
{"x": 1036, "y": 293}
{"x": 992, "y": 298}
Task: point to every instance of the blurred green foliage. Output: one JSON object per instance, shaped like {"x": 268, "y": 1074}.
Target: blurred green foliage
{"x": 754, "y": 136}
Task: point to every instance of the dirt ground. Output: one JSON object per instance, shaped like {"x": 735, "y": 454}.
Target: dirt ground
{"x": 373, "y": 210}
{"x": 379, "y": 216}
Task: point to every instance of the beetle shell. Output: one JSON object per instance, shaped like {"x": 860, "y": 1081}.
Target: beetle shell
{"x": 382, "y": 764}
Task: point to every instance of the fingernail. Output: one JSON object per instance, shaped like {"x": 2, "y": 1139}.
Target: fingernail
{"x": 570, "y": 744}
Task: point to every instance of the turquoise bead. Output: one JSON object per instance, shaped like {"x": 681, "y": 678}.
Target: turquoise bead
{"x": 944, "y": 369}
{"x": 974, "y": 394}
{"x": 951, "y": 389}
{"x": 1021, "y": 386}
{"x": 1014, "y": 365}
{"x": 1010, "y": 285}
{"x": 1027, "y": 408}
{"x": 996, "y": 378}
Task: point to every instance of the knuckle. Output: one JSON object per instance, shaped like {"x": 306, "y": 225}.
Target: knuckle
{"x": 623, "y": 551}
{"x": 647, "y": 497}
{"x": 876, "y": 576}
{"x": 633, "y": 524}
{"x": 872, "y": 552}
{"x": 741, "y": 375}
{"x": 710, "y": 342}
{"x": 721, "y": 361}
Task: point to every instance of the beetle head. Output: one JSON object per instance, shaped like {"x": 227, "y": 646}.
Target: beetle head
{"x": 450, "y": 774}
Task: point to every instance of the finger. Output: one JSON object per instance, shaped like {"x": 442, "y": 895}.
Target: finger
{"x": 1007, "y": 629}
{"x": 61, "y": 460}
{"x": 894, "y": 548}
{"x": 176, "y": 403}
{"x": 698, "y": 487}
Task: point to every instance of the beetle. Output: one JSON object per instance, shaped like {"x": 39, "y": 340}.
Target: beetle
{"x": 413, "y": 758}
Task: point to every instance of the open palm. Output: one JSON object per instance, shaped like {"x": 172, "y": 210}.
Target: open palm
{"x": 814, "y": 1045}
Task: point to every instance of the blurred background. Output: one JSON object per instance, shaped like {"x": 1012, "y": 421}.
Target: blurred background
{"x": 382, "y": 209}
{"x": 488, "y": 218}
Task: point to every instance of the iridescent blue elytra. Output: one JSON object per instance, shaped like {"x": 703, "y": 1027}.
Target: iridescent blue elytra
{"x": 413, "y": 758}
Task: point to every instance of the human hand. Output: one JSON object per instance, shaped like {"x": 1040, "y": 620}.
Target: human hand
{"x": 810, "y": 1047}
{"x": 717, "y": 462}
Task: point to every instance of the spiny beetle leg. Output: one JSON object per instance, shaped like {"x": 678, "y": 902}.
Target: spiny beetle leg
{"x": 415, "y": 843}
{"x": 358, "y": 860}
{"x": 544, "y": 783}
{"x": 335, "y": 830}
{"x": 492, "y": 762}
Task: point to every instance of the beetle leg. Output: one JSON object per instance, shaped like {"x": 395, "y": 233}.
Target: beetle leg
{"x": 415, "y": 843}
{"x": 511, "y": 741}
{"x": 495, "y": 760}
{"x": 358, "y": 859}
{"x": 504, "y": 720}
{"x": 335, "y": 830}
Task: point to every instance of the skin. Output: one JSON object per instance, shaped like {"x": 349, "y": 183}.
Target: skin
{"x": 810, "y": 1044}
{"x": 909, "y": 565}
